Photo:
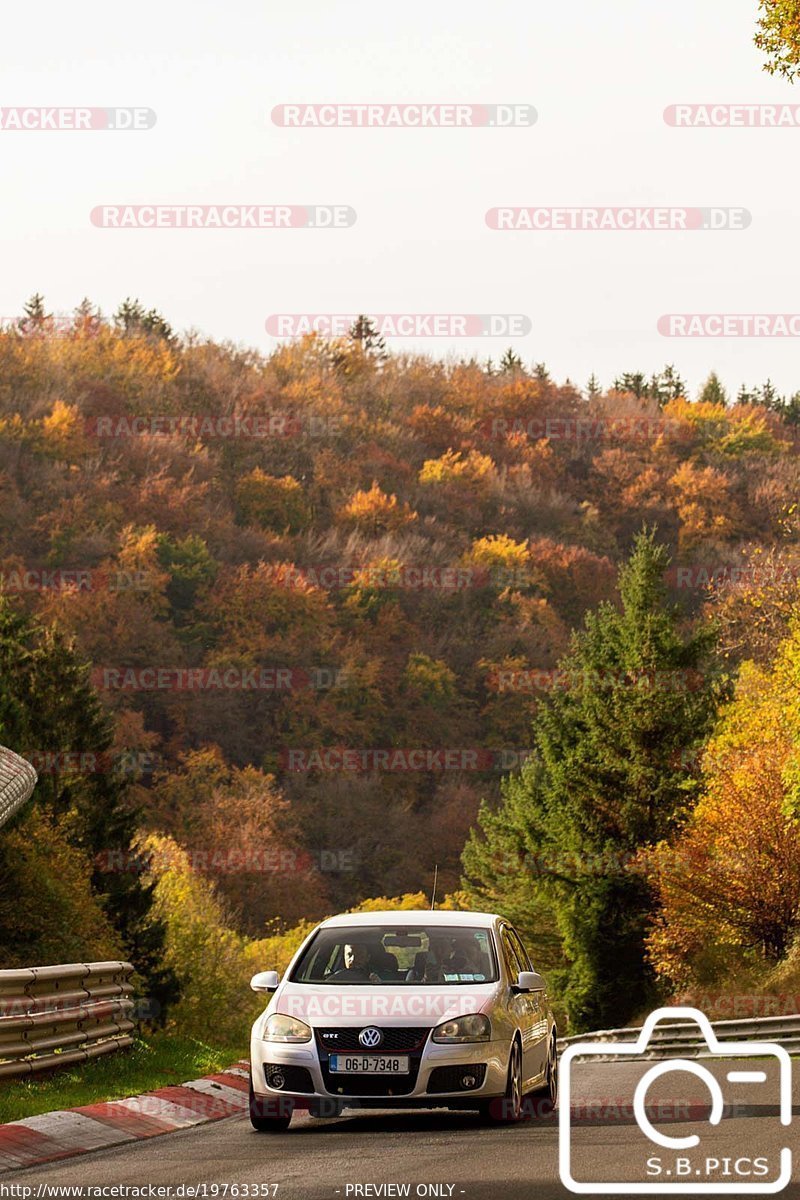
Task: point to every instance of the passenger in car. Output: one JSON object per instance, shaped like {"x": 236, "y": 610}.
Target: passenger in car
{"x": 429, "y": 965}
{"x": 466, "y": 957}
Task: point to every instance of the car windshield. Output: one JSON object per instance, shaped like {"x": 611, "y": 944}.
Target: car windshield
{"x": 391, "y": 955}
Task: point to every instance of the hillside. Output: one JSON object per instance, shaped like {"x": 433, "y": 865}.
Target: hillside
{"x": 323, "y": 591}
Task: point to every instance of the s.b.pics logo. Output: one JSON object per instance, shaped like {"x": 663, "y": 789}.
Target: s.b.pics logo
{"x": 675, "y": 1140}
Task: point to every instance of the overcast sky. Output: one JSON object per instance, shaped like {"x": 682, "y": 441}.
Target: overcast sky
{"x": 599, "y": 75}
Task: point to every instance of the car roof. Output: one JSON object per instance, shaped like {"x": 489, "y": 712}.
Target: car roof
{"x": 414, "y": 916}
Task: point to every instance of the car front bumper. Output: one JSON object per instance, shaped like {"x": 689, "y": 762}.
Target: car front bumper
{"x": 383, "y": 1090}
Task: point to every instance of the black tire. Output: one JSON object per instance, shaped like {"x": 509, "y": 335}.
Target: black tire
{"x": 543, "y": 1101}
{"x": 270, "y": 1116}
{"x": 507, "y": 1109}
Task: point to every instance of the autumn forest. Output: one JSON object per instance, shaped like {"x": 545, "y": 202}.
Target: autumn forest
{"x": 295, "y": 622}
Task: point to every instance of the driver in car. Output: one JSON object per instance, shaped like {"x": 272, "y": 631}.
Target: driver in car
{"x": 356, "y": 966}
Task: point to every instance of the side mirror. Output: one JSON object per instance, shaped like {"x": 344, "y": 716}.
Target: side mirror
{"x": 529, "y": 981}
{"x": 265, "y": 981}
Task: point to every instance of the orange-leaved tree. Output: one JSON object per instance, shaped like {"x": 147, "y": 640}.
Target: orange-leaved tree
{"x": 729, "y": 885}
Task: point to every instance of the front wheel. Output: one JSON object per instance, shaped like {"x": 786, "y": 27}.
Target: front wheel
{"x": 507, "y": 1109}
{"x": 269, "y": 1116}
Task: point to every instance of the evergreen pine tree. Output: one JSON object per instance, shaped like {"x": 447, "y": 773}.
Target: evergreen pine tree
{"x": 48, "y": 706}
{"x": 87, "y": 318}
{"x": 768, "y": 396}
{"x": 593, "y": 388}
{"x": 365, "y": 333}
{"x": 712, "y": 391}
{"x": 510, "y": 363}
{"x": 633, "y": 382}
{"x": 670, "y": 386}
{"x": 132, "y": 317}
{"x": 36, "y": 316}
{"x": 605, "y": 780}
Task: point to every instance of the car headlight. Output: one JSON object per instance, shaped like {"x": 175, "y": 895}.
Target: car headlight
{"x": 473, "y": 1028}
{"x": 279, "y": 1028}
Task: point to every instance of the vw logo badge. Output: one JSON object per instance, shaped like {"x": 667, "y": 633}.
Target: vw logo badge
{"x": 370, "y": 1037}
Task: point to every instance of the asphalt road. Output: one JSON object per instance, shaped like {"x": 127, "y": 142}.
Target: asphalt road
{"x": 328, "y": 1159}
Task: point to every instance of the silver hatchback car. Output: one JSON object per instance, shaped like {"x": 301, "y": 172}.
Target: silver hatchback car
{"x": 405, "y": 1009}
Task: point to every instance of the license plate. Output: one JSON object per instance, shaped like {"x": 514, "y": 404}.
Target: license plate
{"x": 369, "y": 1064}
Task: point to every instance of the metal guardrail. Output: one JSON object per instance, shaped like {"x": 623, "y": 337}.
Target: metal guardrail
{"x": 55, "y": 1016}
{"x": 684, "y": 1038}
{"x": 17, "y": 781}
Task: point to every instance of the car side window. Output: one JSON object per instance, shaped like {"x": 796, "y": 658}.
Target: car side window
{"x": 522, "y": 953}
{"x": 513, "y": 965}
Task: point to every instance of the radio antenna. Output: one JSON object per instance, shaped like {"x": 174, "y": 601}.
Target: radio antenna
{"x": 433, "y": 893}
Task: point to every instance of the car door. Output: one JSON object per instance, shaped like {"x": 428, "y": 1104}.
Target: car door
{"x": 539, "y": 1010}
{"x": 522, "y": 1006}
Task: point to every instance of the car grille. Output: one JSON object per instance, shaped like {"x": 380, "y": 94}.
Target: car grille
{"x": 403, "y": 1040}
{"x": 395, "y": 1041}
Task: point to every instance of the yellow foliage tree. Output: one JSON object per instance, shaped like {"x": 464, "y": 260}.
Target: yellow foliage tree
{"x": 208, "y": 957}
{"x": 375, "y": 513}
{"x": 63, "y": 435}
{"x": 735, "y": 431}
{"x": 271, "y": 502}
{"x": 705, "y": 509}
{"x": 507, "y": 563}
{"x": 454, "y": 466}
{"x": 729, "y": 886}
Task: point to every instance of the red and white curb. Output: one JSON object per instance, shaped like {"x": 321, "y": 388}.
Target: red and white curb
{"x": 67, "y": 1132}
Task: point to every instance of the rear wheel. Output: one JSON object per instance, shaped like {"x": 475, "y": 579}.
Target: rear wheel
{"x": 545, "y": 1098}
{"x": 507, "y": 1109}
{"x": 269, "y": 1116}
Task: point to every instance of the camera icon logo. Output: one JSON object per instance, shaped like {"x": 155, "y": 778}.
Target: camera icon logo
{"x": 679, "y": 1171}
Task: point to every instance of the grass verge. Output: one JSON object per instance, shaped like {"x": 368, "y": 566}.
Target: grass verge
{"x": 163, "y": 1059}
